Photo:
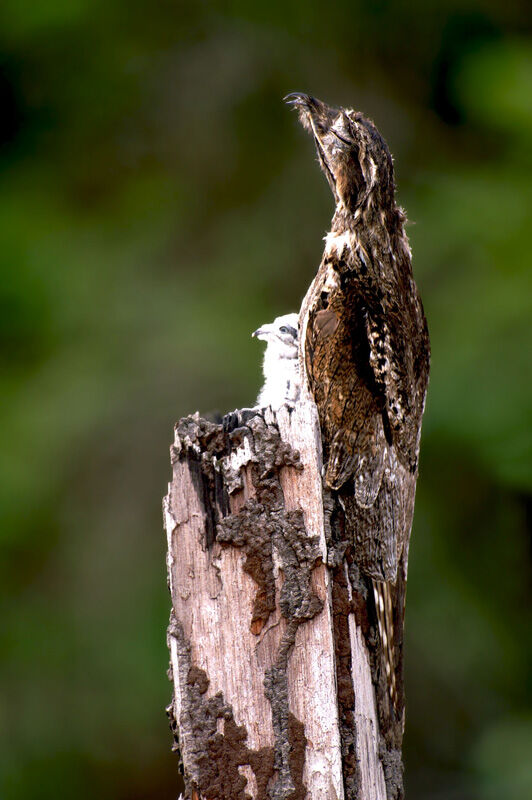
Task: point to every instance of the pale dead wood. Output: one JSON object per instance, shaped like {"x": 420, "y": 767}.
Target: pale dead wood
{"x": 273, "y": 689}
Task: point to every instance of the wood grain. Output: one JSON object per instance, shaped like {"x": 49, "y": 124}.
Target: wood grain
{"x": 266, "y": 687}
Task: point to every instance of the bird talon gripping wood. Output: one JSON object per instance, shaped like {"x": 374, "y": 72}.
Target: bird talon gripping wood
{"x": 365, "y": 350}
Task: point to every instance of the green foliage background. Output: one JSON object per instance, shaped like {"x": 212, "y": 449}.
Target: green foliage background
{"x": 158, "y": 202}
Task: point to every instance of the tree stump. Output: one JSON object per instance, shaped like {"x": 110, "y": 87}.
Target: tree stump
{"x": 273, "y": 628}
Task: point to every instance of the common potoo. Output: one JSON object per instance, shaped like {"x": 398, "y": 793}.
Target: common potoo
{"x": 365, "y": 346}
{"x": 281, "y": 363}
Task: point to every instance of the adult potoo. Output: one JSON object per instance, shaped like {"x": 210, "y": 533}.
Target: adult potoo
{"x": 365, "y": 346}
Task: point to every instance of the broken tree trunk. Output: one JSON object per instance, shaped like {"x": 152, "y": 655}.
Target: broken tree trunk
{"x": 275, "y": 689}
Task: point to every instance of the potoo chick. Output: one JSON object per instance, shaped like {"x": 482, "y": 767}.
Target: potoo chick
{"x": 281, "y": 362}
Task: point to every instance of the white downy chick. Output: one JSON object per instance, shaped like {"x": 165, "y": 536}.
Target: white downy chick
{"x": 280, "y": 367}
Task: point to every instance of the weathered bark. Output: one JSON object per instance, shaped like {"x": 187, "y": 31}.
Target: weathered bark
{"x": 273, "y": 629}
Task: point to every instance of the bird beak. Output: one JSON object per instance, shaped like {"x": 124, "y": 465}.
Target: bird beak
{"x": 296, "y": 99}
{"x": 317, "y": 118}
{"x": 313, "y": 114}
{"x": 263, "y": 332}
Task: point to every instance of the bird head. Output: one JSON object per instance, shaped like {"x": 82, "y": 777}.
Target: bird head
{"x": 281, "y": 335}
{"x": 352, "y": 154}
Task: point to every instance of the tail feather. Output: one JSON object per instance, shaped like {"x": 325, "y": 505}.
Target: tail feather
{"x": 385, "y": 617}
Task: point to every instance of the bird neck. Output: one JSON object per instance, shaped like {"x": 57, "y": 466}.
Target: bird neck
{"x": 370, "y": 227}
{"x": 276, "y": 359}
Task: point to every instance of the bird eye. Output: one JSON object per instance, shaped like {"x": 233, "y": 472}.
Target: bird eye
{"x": 283, "y": 329}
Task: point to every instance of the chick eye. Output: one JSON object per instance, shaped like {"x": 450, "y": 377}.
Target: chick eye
{"x": 283, "y": 329}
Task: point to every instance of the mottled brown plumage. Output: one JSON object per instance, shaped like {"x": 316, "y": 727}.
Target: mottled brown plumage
{"x": 365, "y": 346}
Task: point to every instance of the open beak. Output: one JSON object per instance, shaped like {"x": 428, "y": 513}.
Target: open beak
{"x": 296, "y": 99}
{"x": 317, "y": 118}
{"x": 305, "y": 101}
{"x": 313, "y": 113}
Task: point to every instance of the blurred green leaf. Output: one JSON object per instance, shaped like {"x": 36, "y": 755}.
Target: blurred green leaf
{"x": 493, "y": 85}
{"x": 502, "y": 759}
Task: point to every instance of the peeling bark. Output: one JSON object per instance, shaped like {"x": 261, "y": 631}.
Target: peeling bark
{"x": 273, "y": 633}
